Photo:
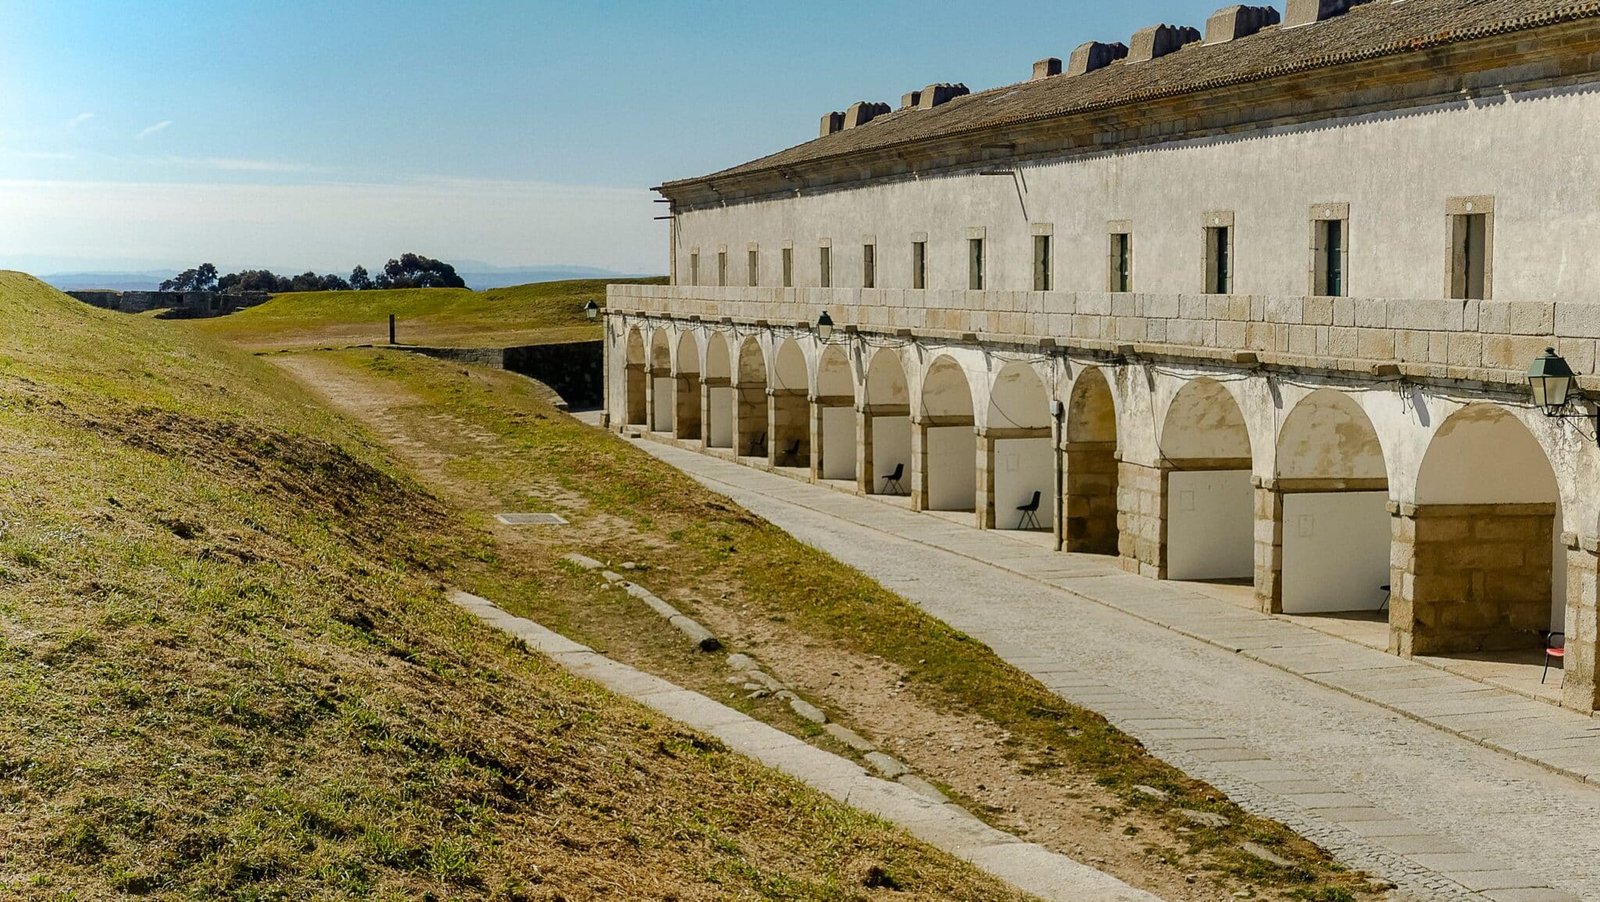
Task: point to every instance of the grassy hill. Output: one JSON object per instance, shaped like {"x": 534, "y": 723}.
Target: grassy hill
{"x": 228, "y": 670}
{"x": 526, "y": 314}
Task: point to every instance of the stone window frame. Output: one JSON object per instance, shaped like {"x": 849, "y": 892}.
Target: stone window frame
{"x": 825, "y": 263}
{"x": 1119, "y": 228}
{"x": 976, "y": 264}
{"x": 722, "y": 265}
{"x": 753, "y": 264}
{"x": 919, "y": 261}
{"x": 694, "y": 265}
{"x": 1043, "y": 269}
{"x": 1209, "y": 224}
{"x": 869, "y": 261}
{"x": 786, "y": 254}
{"x": 1457, "y": 274}
{"x": 1317, "y": 274}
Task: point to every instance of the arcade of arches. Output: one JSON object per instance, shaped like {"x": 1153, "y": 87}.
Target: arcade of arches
{"x": 1458, "y": 516}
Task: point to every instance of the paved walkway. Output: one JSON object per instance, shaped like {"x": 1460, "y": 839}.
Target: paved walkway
{"x": 1027, "y": 866}
{"x": 1385, "y": 762}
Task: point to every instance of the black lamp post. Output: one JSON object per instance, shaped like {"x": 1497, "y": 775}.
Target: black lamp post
{"x": 824, "y": 326}
{"x": 591, "y": 309}
{"x": 1555, "y": 388}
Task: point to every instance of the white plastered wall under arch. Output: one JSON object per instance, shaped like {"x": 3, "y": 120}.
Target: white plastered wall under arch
{"x": 719, "y": 402}
{"x": 1210, "y": 501}
{"x": 836, "y": 380}
{"x": 947, "y": 407}
{"x": 887, "y": 387}
{"x": 1018, "y": 400}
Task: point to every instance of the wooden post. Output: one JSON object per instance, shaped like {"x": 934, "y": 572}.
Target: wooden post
{"x": 391, "y": 329}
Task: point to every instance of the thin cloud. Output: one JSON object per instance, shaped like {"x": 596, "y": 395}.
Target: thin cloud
{"x": 237, "y": 164}
{"x": 79, "y": 119}
{"x": 150, "y": 130}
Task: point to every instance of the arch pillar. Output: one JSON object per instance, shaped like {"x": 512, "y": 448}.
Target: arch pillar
{"x": 864, "y": 475}
{"x": 983, "y": 504}
{"x": 1142, "y": 518}
{"x": 1580, "y": 687}
{"x": 919, "y": 464}
{"x": 1269, "y": 546}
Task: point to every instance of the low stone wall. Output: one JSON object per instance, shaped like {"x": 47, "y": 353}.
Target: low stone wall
{"x": 178, "y": 304}
{"x": 573, "y": 370}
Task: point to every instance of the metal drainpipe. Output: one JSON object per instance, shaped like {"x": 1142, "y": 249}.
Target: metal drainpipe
{"x": 1059, "y": 527}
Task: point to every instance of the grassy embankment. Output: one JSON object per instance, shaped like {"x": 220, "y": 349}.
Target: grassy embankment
{"x": 540, "y": 313}
{"x": 492, "y": 443}
{"x": 228, "y": 670}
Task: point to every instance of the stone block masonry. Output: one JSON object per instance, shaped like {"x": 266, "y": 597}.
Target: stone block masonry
{"x": 573, "y": 370}
{"x": 1142, "y": 519}
{"x": 1090, "y": 497}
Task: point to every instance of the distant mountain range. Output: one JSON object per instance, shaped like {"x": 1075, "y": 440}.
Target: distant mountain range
{"x": 479, "y": 276}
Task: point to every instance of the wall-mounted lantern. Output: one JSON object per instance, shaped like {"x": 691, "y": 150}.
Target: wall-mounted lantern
{"x": 824, "y": 326}
{"x": 591, "y": 309}
{"x": 1555, "y": 388}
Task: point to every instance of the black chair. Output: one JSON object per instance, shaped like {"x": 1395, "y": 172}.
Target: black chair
{"x": 892, "y": 481}
{"x": 758, "y": 446}
{"x": 793, "y": 453}
{"x": 1030, "y": 514}
{"x": 1386, "y": 593}
{"x": 1555, "y": 648}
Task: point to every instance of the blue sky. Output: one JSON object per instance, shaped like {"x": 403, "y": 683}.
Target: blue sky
{"x": 319, "y": 135}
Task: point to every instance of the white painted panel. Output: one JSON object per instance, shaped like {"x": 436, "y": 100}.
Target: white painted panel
{"x": 891, "y": 446}
{"x": 838, "y": 443}
{"x": 1023, "y": 466}
{"x": 665, "y": 389}
{"x": 1335, "y": 551}
{"x": 720, "y": 430}
{"x": 952, "y": 468}
{"x": 1210, "y": 524}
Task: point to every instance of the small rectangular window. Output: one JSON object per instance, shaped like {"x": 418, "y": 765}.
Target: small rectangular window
{"x": 1120, "y": 272}
{"x": 1329, "y": 258}
{"x": 825, "y": 265}
{"x": 975, "y": 264}
{"x": 919, "y": 264}
{"x": 1219, "y": 260}
{"x": 1041, "y": 263}
{"x": 722, "y": 267}
{"x": 753, "y": 264}
{"x": 869, "y": 275}
{"x": 694, "y": 269}
{"x": 788, "y": 267}
{"x": 1469, "y": 256}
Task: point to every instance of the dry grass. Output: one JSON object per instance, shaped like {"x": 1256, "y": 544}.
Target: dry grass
{"x": 540, "y": 313}
{"x": 229, "y": 671}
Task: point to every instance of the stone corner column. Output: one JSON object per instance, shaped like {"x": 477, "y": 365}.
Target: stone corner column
{"x": 1402, "y": 578}
{"x": 983, "y": 504}
{"x": 864, "y": 474}
{"x": 1269, "y": 546}
{"x": 919, "y": 465}
{"x": 649, "y": 400}
{"x": 705, "y": 414}
{"x": 815, "y": 408}
{"x": 1142, "y": 519}
{"x": 773, "y": 439}
{"x": 1580, "y": 686}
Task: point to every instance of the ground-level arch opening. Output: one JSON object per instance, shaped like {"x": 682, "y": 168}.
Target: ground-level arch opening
{"x": 885, "y": 443}
{"x": 835, "y": 455}
{"x": 686, "y": 389}
{"x": 948, "y": 476}
{"x": 1478, "y": 562}
{"x": 1089, "y": 479}
{"x": 1016, "y": 454}
{"x": 718, "y": 380}
{"x": 1207, "y": 497}
{"x": 790, "y": 421}
{"x": 1323, "y": 546}
{"x": 750, "y": 401}
{"x": 661, "y": 383}
{"x": 635, "y": 375}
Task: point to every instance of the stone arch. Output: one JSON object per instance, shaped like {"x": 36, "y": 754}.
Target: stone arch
{"x": 1327, "y": 548}
{"x": 948, "y": 477}
{"x": 790, "y": 422}
{"x": 718, "y": 380}
{"x": 1206, "y": 494}
{"x": 1478, "y": 566}
{"x": 636, "y": 374}
{"x": 750, "y": 400}
{"x": 1016, "y": 457}
{"x": 661, "y": 382}
{"x": 885, "y": 426}
{"x": 835, "y": 456}
{"x": 1089, "y": 479}
{"x": 686, "y": 388}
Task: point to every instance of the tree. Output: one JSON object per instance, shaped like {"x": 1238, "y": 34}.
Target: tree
{"x": 417, "y": 271}
{"x": 201, "y": 278}
{"x": 359, "y": 280}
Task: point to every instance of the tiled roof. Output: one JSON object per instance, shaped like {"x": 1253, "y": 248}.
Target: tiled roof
{"x": 1366, "y": 32}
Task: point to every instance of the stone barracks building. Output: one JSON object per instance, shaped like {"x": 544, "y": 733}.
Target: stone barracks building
{"x": 1254, "y": 302}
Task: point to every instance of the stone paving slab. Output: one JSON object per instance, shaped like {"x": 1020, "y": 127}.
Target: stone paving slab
{"x": 1160, "y": 653}
{"x": 1029, "y": 867}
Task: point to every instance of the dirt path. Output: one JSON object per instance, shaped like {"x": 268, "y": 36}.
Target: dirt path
{"x": 1023, "y": 790}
